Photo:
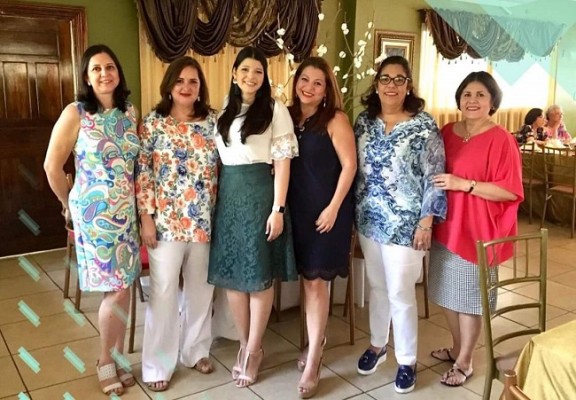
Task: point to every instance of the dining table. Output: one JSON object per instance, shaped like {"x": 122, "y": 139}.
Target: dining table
{"x": 546, "y": 367}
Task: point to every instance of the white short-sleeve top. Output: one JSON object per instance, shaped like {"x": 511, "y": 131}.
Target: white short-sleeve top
{"x": 277, "y": 142}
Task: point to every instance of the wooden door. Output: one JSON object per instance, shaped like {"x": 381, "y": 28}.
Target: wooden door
{"x": 39, "y": 46}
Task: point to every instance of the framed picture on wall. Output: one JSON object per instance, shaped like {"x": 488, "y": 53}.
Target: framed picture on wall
{"x": 392, "y": 43}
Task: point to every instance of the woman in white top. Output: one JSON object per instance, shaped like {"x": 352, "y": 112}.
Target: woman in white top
{"x": 251, "y": 237}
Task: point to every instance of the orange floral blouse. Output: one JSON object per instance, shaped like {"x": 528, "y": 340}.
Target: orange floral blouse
{"x": 176, "y": 178}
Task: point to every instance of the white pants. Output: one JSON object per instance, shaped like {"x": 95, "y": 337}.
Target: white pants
{"x": 166, "y": 332}
{"x": 392, "y": 272}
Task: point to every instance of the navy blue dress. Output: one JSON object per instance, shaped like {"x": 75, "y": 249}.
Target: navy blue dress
{"x": 313, "y": 180}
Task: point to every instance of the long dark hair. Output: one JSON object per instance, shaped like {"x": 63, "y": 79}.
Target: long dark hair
{"x": 412, "y": 103}
{"x": 86, "y": 93}
{"x": 489, "y": 83}
{"x": 532, "y": 115}
{"x": 332, "y": 100}
{"x": 201, "y": 106}
{"x": 259, "y": 113}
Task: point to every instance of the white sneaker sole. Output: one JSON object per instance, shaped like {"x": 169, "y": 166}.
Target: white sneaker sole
{"x": 370, "y": 372}
{"x": 404, "y": 391}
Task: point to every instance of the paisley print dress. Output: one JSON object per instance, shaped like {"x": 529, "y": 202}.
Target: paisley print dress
{"x": 102, "y": 201}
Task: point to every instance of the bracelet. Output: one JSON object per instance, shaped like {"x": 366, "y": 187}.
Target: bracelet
{"x": 472, "y": 186}
{"x": 427, "y": 229}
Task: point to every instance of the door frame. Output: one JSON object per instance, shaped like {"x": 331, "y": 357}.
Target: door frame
{"x": 76, "y": 15}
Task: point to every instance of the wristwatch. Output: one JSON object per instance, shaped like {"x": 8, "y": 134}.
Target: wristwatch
{"x": 279, "y": 209}
{"x": 472, "y": 186}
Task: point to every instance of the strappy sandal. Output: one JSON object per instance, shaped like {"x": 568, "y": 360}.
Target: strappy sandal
{"x": 237, "y": 368}
{"x": 107, "y": 373}
{"x": 303, "y": 357}
{"x": 152, "y": 386}
{"x": 204, "y": 366}
{"x": 257, "y": 356}
{"x": 457, "y": 370}
{"x": 125, "y": 377}
{"x": 443, "y": 354}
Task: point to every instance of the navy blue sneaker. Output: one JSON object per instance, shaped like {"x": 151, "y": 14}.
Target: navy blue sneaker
{"x": 405, "y": 379}
{"x": 369, "y": 361}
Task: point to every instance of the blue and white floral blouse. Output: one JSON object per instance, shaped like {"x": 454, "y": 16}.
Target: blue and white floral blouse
{"x": 394, "y": 187}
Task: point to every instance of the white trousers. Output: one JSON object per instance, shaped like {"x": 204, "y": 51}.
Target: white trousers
{"x": 392, "y": 272}
{"x": 168, "y": 330}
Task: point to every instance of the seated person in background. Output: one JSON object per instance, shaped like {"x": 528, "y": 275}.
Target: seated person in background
{"x": 555, "y": 128}
{"x": 533, "y": 128}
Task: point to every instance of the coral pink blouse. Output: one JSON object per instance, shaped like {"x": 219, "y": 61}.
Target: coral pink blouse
{"x": 493, "y": 157}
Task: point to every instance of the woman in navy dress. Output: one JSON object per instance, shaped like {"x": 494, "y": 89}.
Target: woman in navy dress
{"x": 320, "y": 200}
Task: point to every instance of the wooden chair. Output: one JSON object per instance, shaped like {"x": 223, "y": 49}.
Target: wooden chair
{"x": 527, "y": 266}
{"x": 137, "y": 286}
{"x": 511, "y": 389}
{"x": 560, "y": 175}
{"x": 70, "y": 250}
{"x": 529, "y": 182}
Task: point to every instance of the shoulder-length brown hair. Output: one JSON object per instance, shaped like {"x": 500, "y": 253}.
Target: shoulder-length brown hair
{"x": 329, "y": 106}
{"x": 201, "y": 105}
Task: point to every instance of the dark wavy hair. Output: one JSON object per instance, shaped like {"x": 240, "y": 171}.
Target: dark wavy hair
{"x": 201, "y": 106}
{"x": 86, "y": 93}
{"x": 332, "y": 101}
{"x": 412, "y": 103}
{"x": 259, "y": 113}
{"x": 489, "y": 82}
{"x": 533, "y": 115}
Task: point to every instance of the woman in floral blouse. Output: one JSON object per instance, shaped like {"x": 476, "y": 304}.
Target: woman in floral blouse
{"x": 176, "y": 192}
{"x": 399, "y": 150}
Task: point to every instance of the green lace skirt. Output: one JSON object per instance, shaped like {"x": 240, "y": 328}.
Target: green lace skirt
{"x": 240, "y": 257}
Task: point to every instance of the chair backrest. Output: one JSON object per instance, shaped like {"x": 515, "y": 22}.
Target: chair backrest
{"x": 559, "y": 167}
{"x": 527, "y": 150}
{"x": 511, "y": 389}
{"x": 527, "y": 265}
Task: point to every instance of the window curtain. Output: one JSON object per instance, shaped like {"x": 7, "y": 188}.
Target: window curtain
{"x": 216, "y": 68}
{"x": 492, "y": 37}
{"x": 174, "y": 27}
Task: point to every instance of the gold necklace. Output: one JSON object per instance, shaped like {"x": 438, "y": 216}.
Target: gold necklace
{"x": 467, "y": 134}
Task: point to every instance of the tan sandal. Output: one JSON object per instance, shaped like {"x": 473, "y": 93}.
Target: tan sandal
{"x": 306, "y": 391}
{"x": 125, "y": 377}
{"x": 108, "y": 378}
{"x": 257, "y": 357}
{"x": 454, "y": 372}
{"x": 237, "y": 368}
{"x": 204, "y": 366}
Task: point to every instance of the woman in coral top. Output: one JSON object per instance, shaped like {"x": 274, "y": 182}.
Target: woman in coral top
{"x": 483, "y": 182}
{"x": 176, "y": 192}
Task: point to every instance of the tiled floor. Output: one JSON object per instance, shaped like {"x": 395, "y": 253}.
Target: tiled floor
{"x": 57, "y": 331}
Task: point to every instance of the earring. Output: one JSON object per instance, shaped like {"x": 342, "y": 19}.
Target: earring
{"x": 408, "y": 93}
{"x": 234, "y": 82}
{"x": 169, "y": 97}
{"x": 324, "y": 103}
{"x": 198, "y": 99}
{"x": 89, "y": 84}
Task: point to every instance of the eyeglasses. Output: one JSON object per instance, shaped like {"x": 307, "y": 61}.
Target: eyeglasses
{"x": 398, "y": 80}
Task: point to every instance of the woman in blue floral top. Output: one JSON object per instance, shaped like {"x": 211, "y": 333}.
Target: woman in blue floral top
{"x": 399, "y": 150}
{"x": 176, "y": 192}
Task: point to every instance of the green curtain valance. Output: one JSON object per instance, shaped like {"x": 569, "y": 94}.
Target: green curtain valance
{"x": 493, "y": 37}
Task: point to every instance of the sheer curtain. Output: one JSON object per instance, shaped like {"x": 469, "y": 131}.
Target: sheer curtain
{"x": 217, "y": 69}
{"x": 439, "y": 78}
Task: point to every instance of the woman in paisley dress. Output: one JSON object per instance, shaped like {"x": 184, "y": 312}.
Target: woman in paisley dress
{"x": 483, "y": 182}
{"x": 100, "y": 130}
{"x": 320, "y": 200}
{"x": 399, "y": 150}
{"x": 176, "y": 191}
{"x": 252, "y": 239}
